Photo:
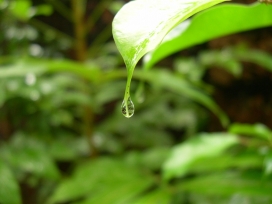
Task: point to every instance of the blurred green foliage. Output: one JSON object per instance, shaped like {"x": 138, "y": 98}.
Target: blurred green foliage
{"x": 160, "y": 155}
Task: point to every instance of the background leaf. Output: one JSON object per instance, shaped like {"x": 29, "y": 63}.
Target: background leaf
{"x": 106, "y": 180}
{"x": 202, "y": 146}
{"x": 216, "y": 22}
{"x": 161, "y": 196}
{"x": 228, "y": 183}
{"x": 163, "y": 79}
{"x": 9, "y": 188}
{"x": 256, "y": 130}
{"x": 29, "y": 155}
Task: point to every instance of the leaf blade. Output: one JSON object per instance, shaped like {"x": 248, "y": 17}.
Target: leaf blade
{"x": 232, "y": 20}
{"x": 9, "y": 188}
{"x": 147, "y": 22}
{"x": 203, "y": 146}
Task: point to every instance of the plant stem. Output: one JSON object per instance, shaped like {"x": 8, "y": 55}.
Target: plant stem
{"x": 79, "y": 7}
{"x": 79, "y": 26}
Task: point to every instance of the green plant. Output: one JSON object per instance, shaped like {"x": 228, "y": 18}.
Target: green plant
{"x": 51, "y": 151}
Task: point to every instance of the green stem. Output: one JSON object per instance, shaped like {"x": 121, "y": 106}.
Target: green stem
{"x": 127, "y": 102}
{"x": 130, "y": 67}
{"x": 79, "y": 7}
{"x": 80, "y": 42}
{"x": 127, "y": 90}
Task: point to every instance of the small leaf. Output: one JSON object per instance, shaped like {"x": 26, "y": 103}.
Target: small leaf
{"x": 202, "y": 146}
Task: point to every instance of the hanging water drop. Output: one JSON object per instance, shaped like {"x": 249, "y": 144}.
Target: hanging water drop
{"x": 127, "y": 107}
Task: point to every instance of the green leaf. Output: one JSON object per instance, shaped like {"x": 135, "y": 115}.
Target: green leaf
{"x": 9, "y": 188}
{"x": 203, "y": 146}
{"x": 141, "y": 25}
{"x": 165, "y": 79}
{"x": 13, "y": 68}
{"x": 259, "y": 57}
{"x": 248, "y": 183}
{"x": 21, "y": 9}
{"x": 224, "y": 58}
{"x": 255, "y": 130}
{"x": 160, "y": 78}
{"x": 216, "y": 22}
{"x": 104, "y": 179}
{"x": 121, "y": 192}
{"x": 268, "y": 164}
{"x": 161, "y": 196}
{"x": 29, "y": 155}
{"x": 153, "y": 158}
{"x": 227, "y": 161}
{"x": 19, "y": 68}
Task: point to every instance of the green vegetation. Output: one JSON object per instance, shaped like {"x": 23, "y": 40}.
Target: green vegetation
{"x": 63, "y": 138}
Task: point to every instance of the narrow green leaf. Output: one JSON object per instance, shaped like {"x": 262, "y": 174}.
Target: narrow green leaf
{"x": 229, "y": 183}
{"x": 31, "y": 65}
{"x": 103, "y": 180}
{"x": 202, "y": 146}
{"x": 141, "y": 25}
{"x": 9, "y": 188}
{"x": 216, "y": 22}
{"x": 228, "y": 161}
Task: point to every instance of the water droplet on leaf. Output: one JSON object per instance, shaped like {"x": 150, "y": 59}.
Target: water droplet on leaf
{"x": 127, "y": 108}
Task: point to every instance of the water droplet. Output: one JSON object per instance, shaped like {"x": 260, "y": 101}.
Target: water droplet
{"x": 127, "y": 108}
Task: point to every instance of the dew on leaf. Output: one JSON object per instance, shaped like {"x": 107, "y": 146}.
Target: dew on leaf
{"x": 127, "y": 108}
